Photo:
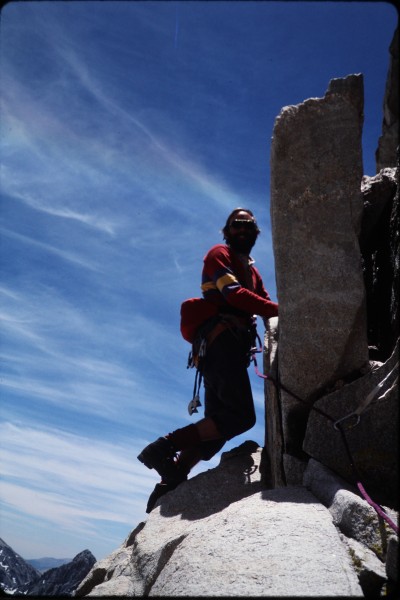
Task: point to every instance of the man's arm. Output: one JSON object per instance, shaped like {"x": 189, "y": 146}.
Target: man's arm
{"x": 252, "y": 303}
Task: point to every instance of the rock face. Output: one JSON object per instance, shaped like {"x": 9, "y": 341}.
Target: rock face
{"x": 222, "y": 534}
{"x": 61, "y": 581}
{"x": 316, "y": 209}
{"x": 15, "y": 572}
{"x": 372, "y": 545}
{"x": 380, "y": 248}
{"x": 363, "y": 400}
{"x": 372, "y": 442}
{"x": 274, "y": 472}
{"x": 386, "y": 154}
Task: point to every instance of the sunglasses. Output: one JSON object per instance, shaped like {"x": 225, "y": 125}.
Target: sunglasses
{"x": 243, "y": 224}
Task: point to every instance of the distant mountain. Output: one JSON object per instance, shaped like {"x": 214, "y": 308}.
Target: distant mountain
{"x": 18, "y": 576}
{"x": 63, "y": 580}
{"x": 15, "y": 572}
{"x": 46, "y": 563}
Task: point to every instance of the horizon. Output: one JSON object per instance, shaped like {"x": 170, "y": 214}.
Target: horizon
{"x": 129, "y": 132}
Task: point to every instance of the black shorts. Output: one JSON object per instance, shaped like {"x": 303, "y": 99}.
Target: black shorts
{"x": 228, "y": 395}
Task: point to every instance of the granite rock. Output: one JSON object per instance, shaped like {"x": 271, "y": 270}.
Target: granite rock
{"x": 316, "y": 211}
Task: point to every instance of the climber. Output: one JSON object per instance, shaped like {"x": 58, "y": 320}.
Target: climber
{"x": 232, "y": 283}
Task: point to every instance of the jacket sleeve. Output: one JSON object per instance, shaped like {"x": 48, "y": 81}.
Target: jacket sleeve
{"x": 252, "y": 303}
{"x": 218, "y": 276}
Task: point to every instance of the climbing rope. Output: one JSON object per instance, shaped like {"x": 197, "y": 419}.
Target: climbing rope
{"x": 337, "y": 425}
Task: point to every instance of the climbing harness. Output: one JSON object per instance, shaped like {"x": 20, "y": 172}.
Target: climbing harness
{"x": 338, "y": 426}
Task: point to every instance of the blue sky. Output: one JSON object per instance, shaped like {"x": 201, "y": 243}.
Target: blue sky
{"x": 129, "y": 131}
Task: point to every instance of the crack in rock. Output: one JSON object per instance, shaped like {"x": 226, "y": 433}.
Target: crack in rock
{"x": 164, "y": 556}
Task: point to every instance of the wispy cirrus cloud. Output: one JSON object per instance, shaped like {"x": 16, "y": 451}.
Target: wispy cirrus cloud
{"x": 73, "y": 362}
{"x": 70, "y": 481}
{"x": 140, "y": 135}
{"x": 67, "y": 255}
{"x": 94, "y": 220}
{"x": 91, "y": 160}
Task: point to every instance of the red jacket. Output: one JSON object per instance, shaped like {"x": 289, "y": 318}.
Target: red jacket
{"x": 230, "y": 279}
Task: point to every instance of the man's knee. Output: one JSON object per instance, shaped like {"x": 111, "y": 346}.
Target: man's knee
{"x": 237, "y": 423}
{"x": 210, "y": 448}
{"x": 251, "y": 421}
{"x": 245, "y": 422}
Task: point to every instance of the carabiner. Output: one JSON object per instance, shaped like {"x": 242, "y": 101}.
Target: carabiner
{"x": 349, "y": 416}
{"x": 193, "y": 404}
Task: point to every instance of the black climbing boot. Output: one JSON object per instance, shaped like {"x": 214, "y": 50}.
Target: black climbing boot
{"x": 159, "y": 455}
{"x": 159, "y": 491}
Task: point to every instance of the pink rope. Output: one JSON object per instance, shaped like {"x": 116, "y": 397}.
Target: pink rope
{"x": 258, "y": 372}
{"x": 378, "y": 508}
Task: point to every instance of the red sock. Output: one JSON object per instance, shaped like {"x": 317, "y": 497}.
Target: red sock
{"x": 183, "y": 438}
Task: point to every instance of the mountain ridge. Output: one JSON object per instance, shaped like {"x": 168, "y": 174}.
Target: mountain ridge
{"x": 14, "y": 570}
{"x": 19, "y": 576}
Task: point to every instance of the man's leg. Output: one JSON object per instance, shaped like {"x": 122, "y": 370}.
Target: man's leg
{"x": 228, "y": 396}
{"x": 229, "y": 409}
{"x": 160, "y": 455}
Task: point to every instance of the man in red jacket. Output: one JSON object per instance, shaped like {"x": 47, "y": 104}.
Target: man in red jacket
{"x": 234, "y": 285}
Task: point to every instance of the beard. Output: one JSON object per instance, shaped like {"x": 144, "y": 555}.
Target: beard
{"x": 243, "y": 242}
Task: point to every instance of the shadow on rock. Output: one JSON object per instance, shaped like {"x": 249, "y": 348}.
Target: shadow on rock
{"x": 236, "y": 477}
